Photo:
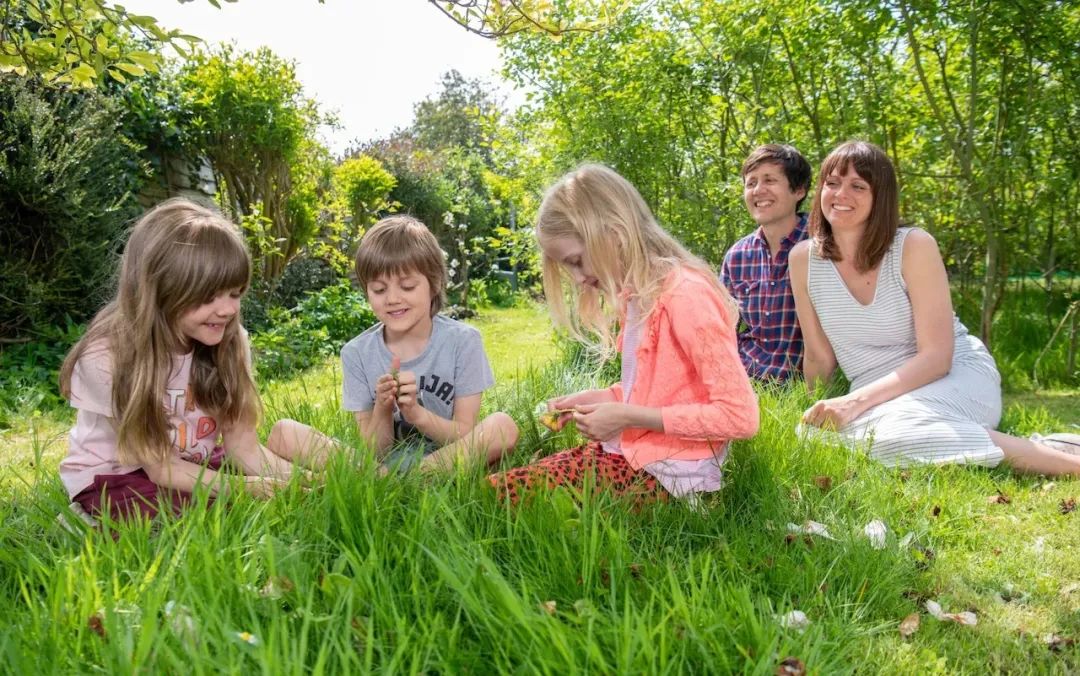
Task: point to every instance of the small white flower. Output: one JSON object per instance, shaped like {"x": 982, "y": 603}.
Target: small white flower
{"x": 454, "y": 263}
{"x": 452, "y": 272}
{"x": 247, "y": 637}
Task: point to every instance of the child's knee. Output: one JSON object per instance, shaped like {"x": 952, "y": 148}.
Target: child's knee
{"x": 504, "y": 428}
{"x": 284, "y": 435}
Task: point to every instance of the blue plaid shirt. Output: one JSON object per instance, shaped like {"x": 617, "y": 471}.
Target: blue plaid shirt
{"x": 770, "y": 341}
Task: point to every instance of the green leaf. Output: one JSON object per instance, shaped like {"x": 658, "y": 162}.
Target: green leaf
{"x": 130, "y": 68}
{"x": 82, "y": 75}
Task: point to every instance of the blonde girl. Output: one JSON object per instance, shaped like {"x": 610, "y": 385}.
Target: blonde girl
{"x": 163, "y": 374}
{"x": 664, "y": 428}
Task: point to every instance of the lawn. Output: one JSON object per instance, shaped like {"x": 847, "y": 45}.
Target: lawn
{"x": 412, "y": 575}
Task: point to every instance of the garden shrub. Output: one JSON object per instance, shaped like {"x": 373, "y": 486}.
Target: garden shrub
{"x": 68, "y": 179}
{"x": 28, "y": 372}
{"x": 312, "y": 331}
{"x": 303, "y": 275}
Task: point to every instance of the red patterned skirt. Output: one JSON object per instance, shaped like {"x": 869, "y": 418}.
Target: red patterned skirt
{"x": 609, "y": 471}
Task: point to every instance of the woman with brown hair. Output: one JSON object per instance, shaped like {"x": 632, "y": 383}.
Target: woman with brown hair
{"x": 873, "y": 298}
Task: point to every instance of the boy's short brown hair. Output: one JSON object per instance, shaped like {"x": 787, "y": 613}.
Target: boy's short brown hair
{"x": 399, "y": 245}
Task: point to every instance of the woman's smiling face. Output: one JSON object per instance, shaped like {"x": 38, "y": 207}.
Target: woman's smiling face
{"x": 846, "y": 199}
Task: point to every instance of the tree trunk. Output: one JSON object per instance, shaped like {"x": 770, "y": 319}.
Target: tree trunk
{"x": 991, "y": 285}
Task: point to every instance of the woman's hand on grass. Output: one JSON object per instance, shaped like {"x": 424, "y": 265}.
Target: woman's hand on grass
{"x": 600, "y": 422}
{"x": 832, "y": 414}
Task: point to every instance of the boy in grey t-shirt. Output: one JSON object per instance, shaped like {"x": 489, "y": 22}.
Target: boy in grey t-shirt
{"x": 452, "y": 365}
{"x": 415, "y": 380}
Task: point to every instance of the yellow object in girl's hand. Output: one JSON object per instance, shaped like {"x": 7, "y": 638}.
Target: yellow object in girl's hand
{"x": 554, "y": 420}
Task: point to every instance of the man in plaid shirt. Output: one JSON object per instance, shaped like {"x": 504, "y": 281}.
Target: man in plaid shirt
{"x": 776, "y": 179}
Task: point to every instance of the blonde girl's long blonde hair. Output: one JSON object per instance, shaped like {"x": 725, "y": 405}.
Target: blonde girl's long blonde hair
{"x": 628, "y": 250}
{"x": 179, "y": 255}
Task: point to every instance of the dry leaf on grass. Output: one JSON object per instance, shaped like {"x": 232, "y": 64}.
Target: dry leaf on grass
{"x": 1067, "y": 506}
{"x": 823, "y": 482}
{"x": 876, "y": 531}
{"x": 966, "y": 618}
{"x": 1058, "y": 643}
{"x": 999, "y": 499}
{"x": 791, "y": 666}
{"x": 276, "y": 587}
{"x": 935, "y": 511}
{"x": 811, "y": 528}
{"x": 796, "y": 620}
{"x": 909, "y": 625}
{"x": 96, "y": 624}
{"x": 548, "y": 607}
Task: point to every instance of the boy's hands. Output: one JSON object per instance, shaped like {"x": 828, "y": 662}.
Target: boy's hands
{"x": 386, "y": 387}
{"x": 406, "y": 396}
{"x": 398, "y": 387}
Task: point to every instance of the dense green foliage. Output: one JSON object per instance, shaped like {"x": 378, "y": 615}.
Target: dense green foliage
{"x": 305, "y": 335}
{"x": 67, "y": 181}
{"x": 977, "y": 103}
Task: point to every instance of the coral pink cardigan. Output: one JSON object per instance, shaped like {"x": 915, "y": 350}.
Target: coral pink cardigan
{"x": 688, "y": 366}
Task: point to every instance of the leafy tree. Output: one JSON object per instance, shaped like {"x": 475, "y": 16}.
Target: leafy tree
{"x": 363, "y": 185}
{"x": 985, "y": 72}
{"x": 83, "y": 43}
{"x": 250, "y": 118}
{"x": 976, "y": 103}
{"x": 498, "y": 18}
{"x": 462, "y": 115}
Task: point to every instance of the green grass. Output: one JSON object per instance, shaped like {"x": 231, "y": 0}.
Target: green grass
{"x": 414, "y": 575}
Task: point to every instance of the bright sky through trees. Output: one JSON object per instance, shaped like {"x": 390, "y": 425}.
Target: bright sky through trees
{"x": 368, "y": 60}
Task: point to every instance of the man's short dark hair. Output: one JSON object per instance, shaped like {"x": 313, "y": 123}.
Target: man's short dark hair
{"x": 796, "y": 168}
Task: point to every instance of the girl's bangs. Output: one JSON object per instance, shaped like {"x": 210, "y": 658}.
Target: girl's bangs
{"x": 216, "y": 261}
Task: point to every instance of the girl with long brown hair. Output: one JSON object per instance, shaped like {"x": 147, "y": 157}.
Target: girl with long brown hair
{"x": 163, "y": 374}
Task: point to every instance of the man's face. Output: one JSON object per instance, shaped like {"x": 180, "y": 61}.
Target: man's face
{"x": 768, "y": 196}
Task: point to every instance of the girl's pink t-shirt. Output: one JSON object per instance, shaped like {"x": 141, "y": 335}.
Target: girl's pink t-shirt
{"x": 92, "y": 446}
